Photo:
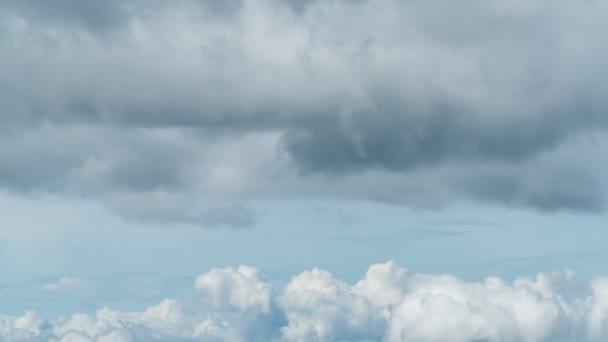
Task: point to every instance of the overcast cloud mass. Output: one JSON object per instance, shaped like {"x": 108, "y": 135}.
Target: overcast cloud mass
{"x": 178, "y": 104}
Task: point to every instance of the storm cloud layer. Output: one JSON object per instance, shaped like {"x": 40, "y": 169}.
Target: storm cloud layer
{"x": 386, "y": 304}
{"x": 182, "y": 111}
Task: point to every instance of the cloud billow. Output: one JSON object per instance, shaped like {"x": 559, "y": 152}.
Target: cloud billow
{"x": 386, "y": 304}
{"x": 199, "y": 99}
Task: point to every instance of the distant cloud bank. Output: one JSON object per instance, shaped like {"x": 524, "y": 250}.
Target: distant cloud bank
{"x": 387, "y": 304}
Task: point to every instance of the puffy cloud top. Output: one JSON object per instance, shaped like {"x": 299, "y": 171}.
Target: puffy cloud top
{"x": 387, "y": 304}
{"x": 242, "y": 289}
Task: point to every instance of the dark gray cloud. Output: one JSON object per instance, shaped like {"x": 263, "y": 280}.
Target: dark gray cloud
{"x": 546, "y": 189}
{"x": 417, "y": 104}
{"x": 389, "y": 138}
{"x": 231, "y": 216}
{"x": 92, "y": 15}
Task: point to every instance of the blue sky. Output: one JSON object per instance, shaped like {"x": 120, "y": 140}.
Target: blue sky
{"x": 79, "y": 240}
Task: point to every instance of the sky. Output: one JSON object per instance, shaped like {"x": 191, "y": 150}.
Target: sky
{"x": 303, "y": 170}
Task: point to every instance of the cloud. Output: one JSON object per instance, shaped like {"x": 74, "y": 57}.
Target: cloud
{"x": 247, "y": 302}
{"x": 89, "y": 15}
{"x": 242, "y": 289}
{"x": 261, "y": 99}
{"x": 446, "y": 308}
{"x": 87, "y": 294}
{"x": 388, "y": 304}
{"x": 174, "y": 207}
{"x": 70, "y": 284}
{"x": 231, "y": 215}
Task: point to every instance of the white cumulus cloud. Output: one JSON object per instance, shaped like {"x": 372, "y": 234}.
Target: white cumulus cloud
{"x": 387, "y": 304}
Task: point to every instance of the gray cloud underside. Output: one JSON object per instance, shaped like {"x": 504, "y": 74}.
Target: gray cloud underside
{"x": 399, "y": 101}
